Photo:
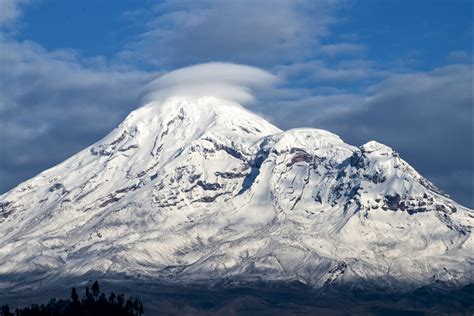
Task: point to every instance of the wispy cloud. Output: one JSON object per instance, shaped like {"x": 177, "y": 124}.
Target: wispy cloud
{"x": 341, "y": 49}
{"x": 318, "y": 72}
{"x": 10, "y": 11}
{"x": 459, "y": 56}
{"x": 251, "y": 32}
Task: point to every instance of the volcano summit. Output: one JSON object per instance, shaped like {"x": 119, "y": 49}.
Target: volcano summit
{"x": 202, "y": 191}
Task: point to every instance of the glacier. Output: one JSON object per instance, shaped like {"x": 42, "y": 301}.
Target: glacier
{"x": 202, "y": 191}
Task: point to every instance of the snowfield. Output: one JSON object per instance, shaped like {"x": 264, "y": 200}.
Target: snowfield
{"x": 193, "y": 191}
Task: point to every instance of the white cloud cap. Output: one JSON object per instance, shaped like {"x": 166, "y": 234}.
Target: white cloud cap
{"x": 226, "y": 81}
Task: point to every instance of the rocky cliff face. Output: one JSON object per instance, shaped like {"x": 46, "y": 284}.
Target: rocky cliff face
{"x": 202, "y": 190}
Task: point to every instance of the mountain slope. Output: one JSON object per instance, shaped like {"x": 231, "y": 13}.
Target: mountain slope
{"x": 202, "y": 190}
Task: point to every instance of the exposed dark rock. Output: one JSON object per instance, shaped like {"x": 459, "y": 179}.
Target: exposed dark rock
{"x": 357, "y": 161}
{"x": 128, "y": 148}
{"x": 83, "y": 195}
{"x": 376, "y": 178}
{"x": 427, "y": 184}
{"x": 231, "y": 151}
{"x": 56, "y": 186}
{"x": 100, "y": 152}
{"x": 245, "y": 130}
{"x": 446, "y": 219}
{"x": 130, "y": 188}
{"x": 229, "y": 175}
{"x": 142, "y": 173}
{"x": 193, "y": 177}
{"x": 396, "y": 203}
{"x": 299, "y": 156}
{"x": 208, "y": 186}
{"x": 318, "y": 198}
{"x": 155, "y": 152}
{"x": 335, "y": 273}
{"x": 412, "y": 211}
{"x": 393, "y": 202}
{"x": 111, "y": 199}
{"x": 107, "y": 149}
{"x": 119, "y": 140}
{"x": 181, "y": 115}
{"x": 6, "y": 209}
{"x": 345, "y": 189}
{"x": 208, "y": 199}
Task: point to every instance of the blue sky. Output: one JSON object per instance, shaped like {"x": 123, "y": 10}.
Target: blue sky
{"x": 399, "y": 72}
{"x": 420, "y": 33}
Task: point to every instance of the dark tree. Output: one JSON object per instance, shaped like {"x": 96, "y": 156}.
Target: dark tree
{"x": 95, "y": 289}
{"x": 74, "y": 296}
{"x": 120, "y": 299}
{"x": 5, "y": 310}
{"x": 88, "y": 295}
{"x": 116, "y": 305}
{"x": 112, "y": 298}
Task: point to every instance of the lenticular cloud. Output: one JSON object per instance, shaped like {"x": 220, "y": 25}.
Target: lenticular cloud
{"x": 231, "y": 82}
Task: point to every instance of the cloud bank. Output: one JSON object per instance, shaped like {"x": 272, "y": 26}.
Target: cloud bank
{"x": 226, "y": 81}
{"x": 52, "y": 105}
{"x": 426, "y": 116}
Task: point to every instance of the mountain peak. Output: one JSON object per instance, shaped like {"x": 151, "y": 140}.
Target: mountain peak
{"x": 203, "y": 112}
{"x": 374, "y": 146}
{"x": 193, "y": 189}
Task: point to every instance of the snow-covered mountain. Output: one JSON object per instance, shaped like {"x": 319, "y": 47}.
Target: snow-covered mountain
{"x": 202, "y": 190}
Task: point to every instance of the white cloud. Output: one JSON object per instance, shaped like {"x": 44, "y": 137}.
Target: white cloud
{"x": 243, "y": 31}
{"x": 222, "y": 80}
{"x": 426, "y": 116}
{"x": 318, "y": 71}
{"x": 341, "y": 49}
{"x": 51, "y": 106}
{"x": 459, "y": 56}
{"x": 10, "y": 11}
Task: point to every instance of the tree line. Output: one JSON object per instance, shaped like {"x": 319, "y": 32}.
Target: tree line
{"x": 93, "y": 303}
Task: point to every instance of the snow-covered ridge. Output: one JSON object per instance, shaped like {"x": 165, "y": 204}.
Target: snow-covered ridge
{"x": 203, "y": 190}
